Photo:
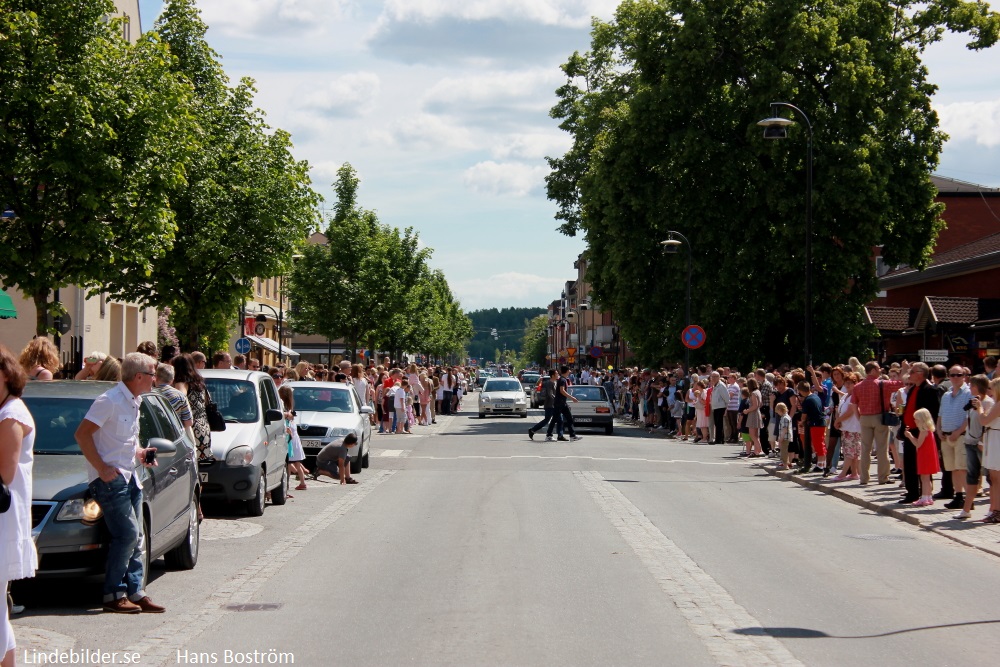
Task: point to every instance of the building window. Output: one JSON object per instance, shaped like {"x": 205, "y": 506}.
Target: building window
{"x": 258, "y": 287}
{"x": 267, "y": 288}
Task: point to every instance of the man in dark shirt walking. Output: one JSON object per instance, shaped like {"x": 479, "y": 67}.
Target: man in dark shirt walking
{"x": 563, "y": 417}
{"x": 549, "y": 402}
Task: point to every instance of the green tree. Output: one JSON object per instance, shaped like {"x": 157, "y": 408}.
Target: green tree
{"x": 663, "y": 112}
{"x": 95, "y": 135}
{"x": 533, "y": 343}
{"x": 247, "y": 204}
{"x": 356, "y": 287}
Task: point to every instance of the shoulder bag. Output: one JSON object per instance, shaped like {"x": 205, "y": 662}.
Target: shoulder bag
{"x": 4, "y": 498}
{"x": 888, "y": 418}
{"x": 212, "y": 414}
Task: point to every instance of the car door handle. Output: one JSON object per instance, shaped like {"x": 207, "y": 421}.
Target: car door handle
{"x": 172, "y": 471}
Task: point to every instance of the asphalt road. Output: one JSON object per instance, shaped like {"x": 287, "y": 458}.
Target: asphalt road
{"x": 468, "y": 544}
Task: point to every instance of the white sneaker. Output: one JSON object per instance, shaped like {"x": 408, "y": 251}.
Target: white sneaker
{"x": 548, "y": 438}
{"x": 575, "y": 438}
{"x": 962, "y": 515}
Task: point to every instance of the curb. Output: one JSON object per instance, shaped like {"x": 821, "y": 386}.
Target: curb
{"x": 884, "y": 510}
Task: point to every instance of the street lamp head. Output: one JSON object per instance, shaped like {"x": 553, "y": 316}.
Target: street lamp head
{"x": 775, "y": 127}
{"x": 671, "y": 246}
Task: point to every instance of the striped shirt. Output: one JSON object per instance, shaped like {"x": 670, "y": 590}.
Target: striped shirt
{"x": 952, "y": 411}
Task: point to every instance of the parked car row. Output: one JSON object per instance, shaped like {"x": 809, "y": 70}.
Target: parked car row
{"x": 250, "y": 463}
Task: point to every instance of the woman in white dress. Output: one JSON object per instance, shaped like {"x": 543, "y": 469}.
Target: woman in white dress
{"x": 991, "y": 449}
{"x": 18, "y": 558}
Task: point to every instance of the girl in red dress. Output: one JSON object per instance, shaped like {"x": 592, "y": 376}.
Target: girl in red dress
{"x": 927, "y": 454}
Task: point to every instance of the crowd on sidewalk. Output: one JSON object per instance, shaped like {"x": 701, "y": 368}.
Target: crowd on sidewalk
{"x": 915, "y": 420}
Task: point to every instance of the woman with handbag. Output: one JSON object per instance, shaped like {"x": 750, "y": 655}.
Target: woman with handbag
{"x": 18, "y": 558}
{"x": 189, "y": 382}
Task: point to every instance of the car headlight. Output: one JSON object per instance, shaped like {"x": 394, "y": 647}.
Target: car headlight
{"x": 520, "y": 400}
{"x": 80, "y": 509}
{"x": 484, "y": 397}
{"x": 339, "y": 432}
{"x": 239, "y": 456}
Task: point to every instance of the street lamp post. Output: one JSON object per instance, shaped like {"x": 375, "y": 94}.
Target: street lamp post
{"x": 776, "y": 128}
{"x": 670, "y": 246}
{"x": 277, "y": 314}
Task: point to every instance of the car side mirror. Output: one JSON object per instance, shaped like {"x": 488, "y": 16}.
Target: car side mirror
{"x": 162, "y": 445}
{"x": 273, "y": 415}
{"x": 367, "y": 410}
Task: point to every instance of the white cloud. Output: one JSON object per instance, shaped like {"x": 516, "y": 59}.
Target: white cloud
{"x": 568, "y": 13}
{"x": 513, "y": 179}
{"x": 518, "y": 289}
{"x": 530, "y": 90}
{"x": 424, "y": 131}
{"x": 346, "y": 96}
{"x": 972, "y": 121}
{"x": 323, "y": 173}
{"x": 244, "y": 18}
{"x": 533, "y": 145}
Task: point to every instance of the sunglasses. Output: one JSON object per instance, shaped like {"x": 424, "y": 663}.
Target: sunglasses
{"x": 956, "y": 375}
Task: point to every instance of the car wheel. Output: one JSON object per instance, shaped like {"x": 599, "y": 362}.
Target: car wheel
{"x": 280, "y": 495}
{"x": 482, "y": 415}
{"x": 524, "y": 415}
{"x": 609, "y": 429}
{"x": 255, "y": 506}
{"x": 185, "y": 555}
{"x": 356, "y": 465}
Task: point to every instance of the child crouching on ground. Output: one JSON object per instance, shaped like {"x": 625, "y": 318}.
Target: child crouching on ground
{"x": 334, "y": 458}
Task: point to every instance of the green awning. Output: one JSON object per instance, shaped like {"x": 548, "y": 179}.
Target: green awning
{"x": 7, "y": 310}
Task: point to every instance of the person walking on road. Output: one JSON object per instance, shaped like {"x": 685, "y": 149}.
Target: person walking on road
{"x": 549, "y": 404}
{"x": 109, "y": 439}
{"x": 563, "y": 417}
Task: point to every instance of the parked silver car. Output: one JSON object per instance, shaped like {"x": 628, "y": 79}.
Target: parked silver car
{"x": 328, "y": 411}
{"x": 66, "y": 522}
{"x": 251, "y": 454}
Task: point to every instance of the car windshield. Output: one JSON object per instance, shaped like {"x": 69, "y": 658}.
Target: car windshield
{"x": 588, "y": 393}
{"x": 56, "y": 420}
{"x": 502, "y": 385}
{"x": 322, "y": 399}
{"x": 530, "y": 377}
{"x": 237, "y": 399}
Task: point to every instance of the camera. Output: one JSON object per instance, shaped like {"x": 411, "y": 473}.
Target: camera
{"x": 968, "y": 406}
{"x": 150, "y": 456}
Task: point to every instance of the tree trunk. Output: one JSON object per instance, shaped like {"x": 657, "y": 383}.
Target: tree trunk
{"x": 41, "y": 299}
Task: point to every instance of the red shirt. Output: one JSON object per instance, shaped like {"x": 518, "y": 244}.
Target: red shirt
{"x": 866, "y": 395}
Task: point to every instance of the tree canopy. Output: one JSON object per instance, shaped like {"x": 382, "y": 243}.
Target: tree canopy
{"x": 370, "y": 285}
{"x": 245, "y": 207}
{"x": 663, "y": 113}
{"x": 96, "y": 134}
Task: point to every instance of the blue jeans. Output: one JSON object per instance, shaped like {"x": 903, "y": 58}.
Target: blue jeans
{"x": 121, "y": 503}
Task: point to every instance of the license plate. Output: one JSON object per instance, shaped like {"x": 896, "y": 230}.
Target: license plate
{"x": 582, "y": 419}
{"x": 203, "y": 476}
{"x": 312, "y": 443}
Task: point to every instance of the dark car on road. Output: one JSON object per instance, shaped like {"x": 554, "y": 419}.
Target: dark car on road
{"x": 66, "y": 523}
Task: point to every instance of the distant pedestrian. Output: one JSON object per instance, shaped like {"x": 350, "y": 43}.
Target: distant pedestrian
{"x": 563, "y": 417}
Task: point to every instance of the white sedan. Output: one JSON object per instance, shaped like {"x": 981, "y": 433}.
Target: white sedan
{"x": 503, "y": 396}
{"x": 328, "y": 411}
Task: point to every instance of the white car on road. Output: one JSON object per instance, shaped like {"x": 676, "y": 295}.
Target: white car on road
{"x": 503, "y": 396}
{"x": 325, "y": 412}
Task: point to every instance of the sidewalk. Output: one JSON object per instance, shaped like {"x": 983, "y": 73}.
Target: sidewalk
{"x": 882, "y": 499}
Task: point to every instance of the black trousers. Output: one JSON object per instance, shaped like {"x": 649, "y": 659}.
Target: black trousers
{"x": 910, "y": 476}
{"x": 719, "y": 417}
{"x": 563, "y": 421}
{"x": 446, "y": 402}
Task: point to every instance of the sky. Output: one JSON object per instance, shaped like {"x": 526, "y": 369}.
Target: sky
{"x": 442, "y": 108}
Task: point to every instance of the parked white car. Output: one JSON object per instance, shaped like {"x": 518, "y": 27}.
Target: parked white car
{"x": 325, "y": 412}
{"x": 503, "y": 396}
{"x": 251, "y": 454}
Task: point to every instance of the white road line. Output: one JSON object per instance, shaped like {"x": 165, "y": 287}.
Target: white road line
{"x": 160, "y": 645}
{"x": 567, "y": 457}
{"x": 709, "y": 610}
{"x": 391, "y": 452}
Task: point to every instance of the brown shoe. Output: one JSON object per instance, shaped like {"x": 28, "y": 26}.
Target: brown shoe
{"x": 148, "y": 607}
{"x": 122, "y": 606}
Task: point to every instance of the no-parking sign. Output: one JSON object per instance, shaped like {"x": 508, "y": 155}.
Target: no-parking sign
{"x": 693, "y": 337}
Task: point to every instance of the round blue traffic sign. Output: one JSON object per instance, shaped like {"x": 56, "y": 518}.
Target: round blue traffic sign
{"x": 693, "y": 337}
{"x": 596, "y": 352}
{"x": 243, "y": 345}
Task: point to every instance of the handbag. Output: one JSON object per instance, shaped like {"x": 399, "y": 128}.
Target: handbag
{"x": 212, "y": 414}
{"x": 4, "y": 498}
{"x": 888, "y": 418}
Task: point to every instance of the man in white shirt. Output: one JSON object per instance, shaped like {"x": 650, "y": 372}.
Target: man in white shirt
{"x": 720, "y": 400}
{"x": 109, "y": 439}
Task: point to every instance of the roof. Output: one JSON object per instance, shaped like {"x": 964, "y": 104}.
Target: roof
{"x": 887, "y": 318}
{"x": 947, "y": 310}
{"x": 983, "y": 253}
{"x": 948, "y": 185}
